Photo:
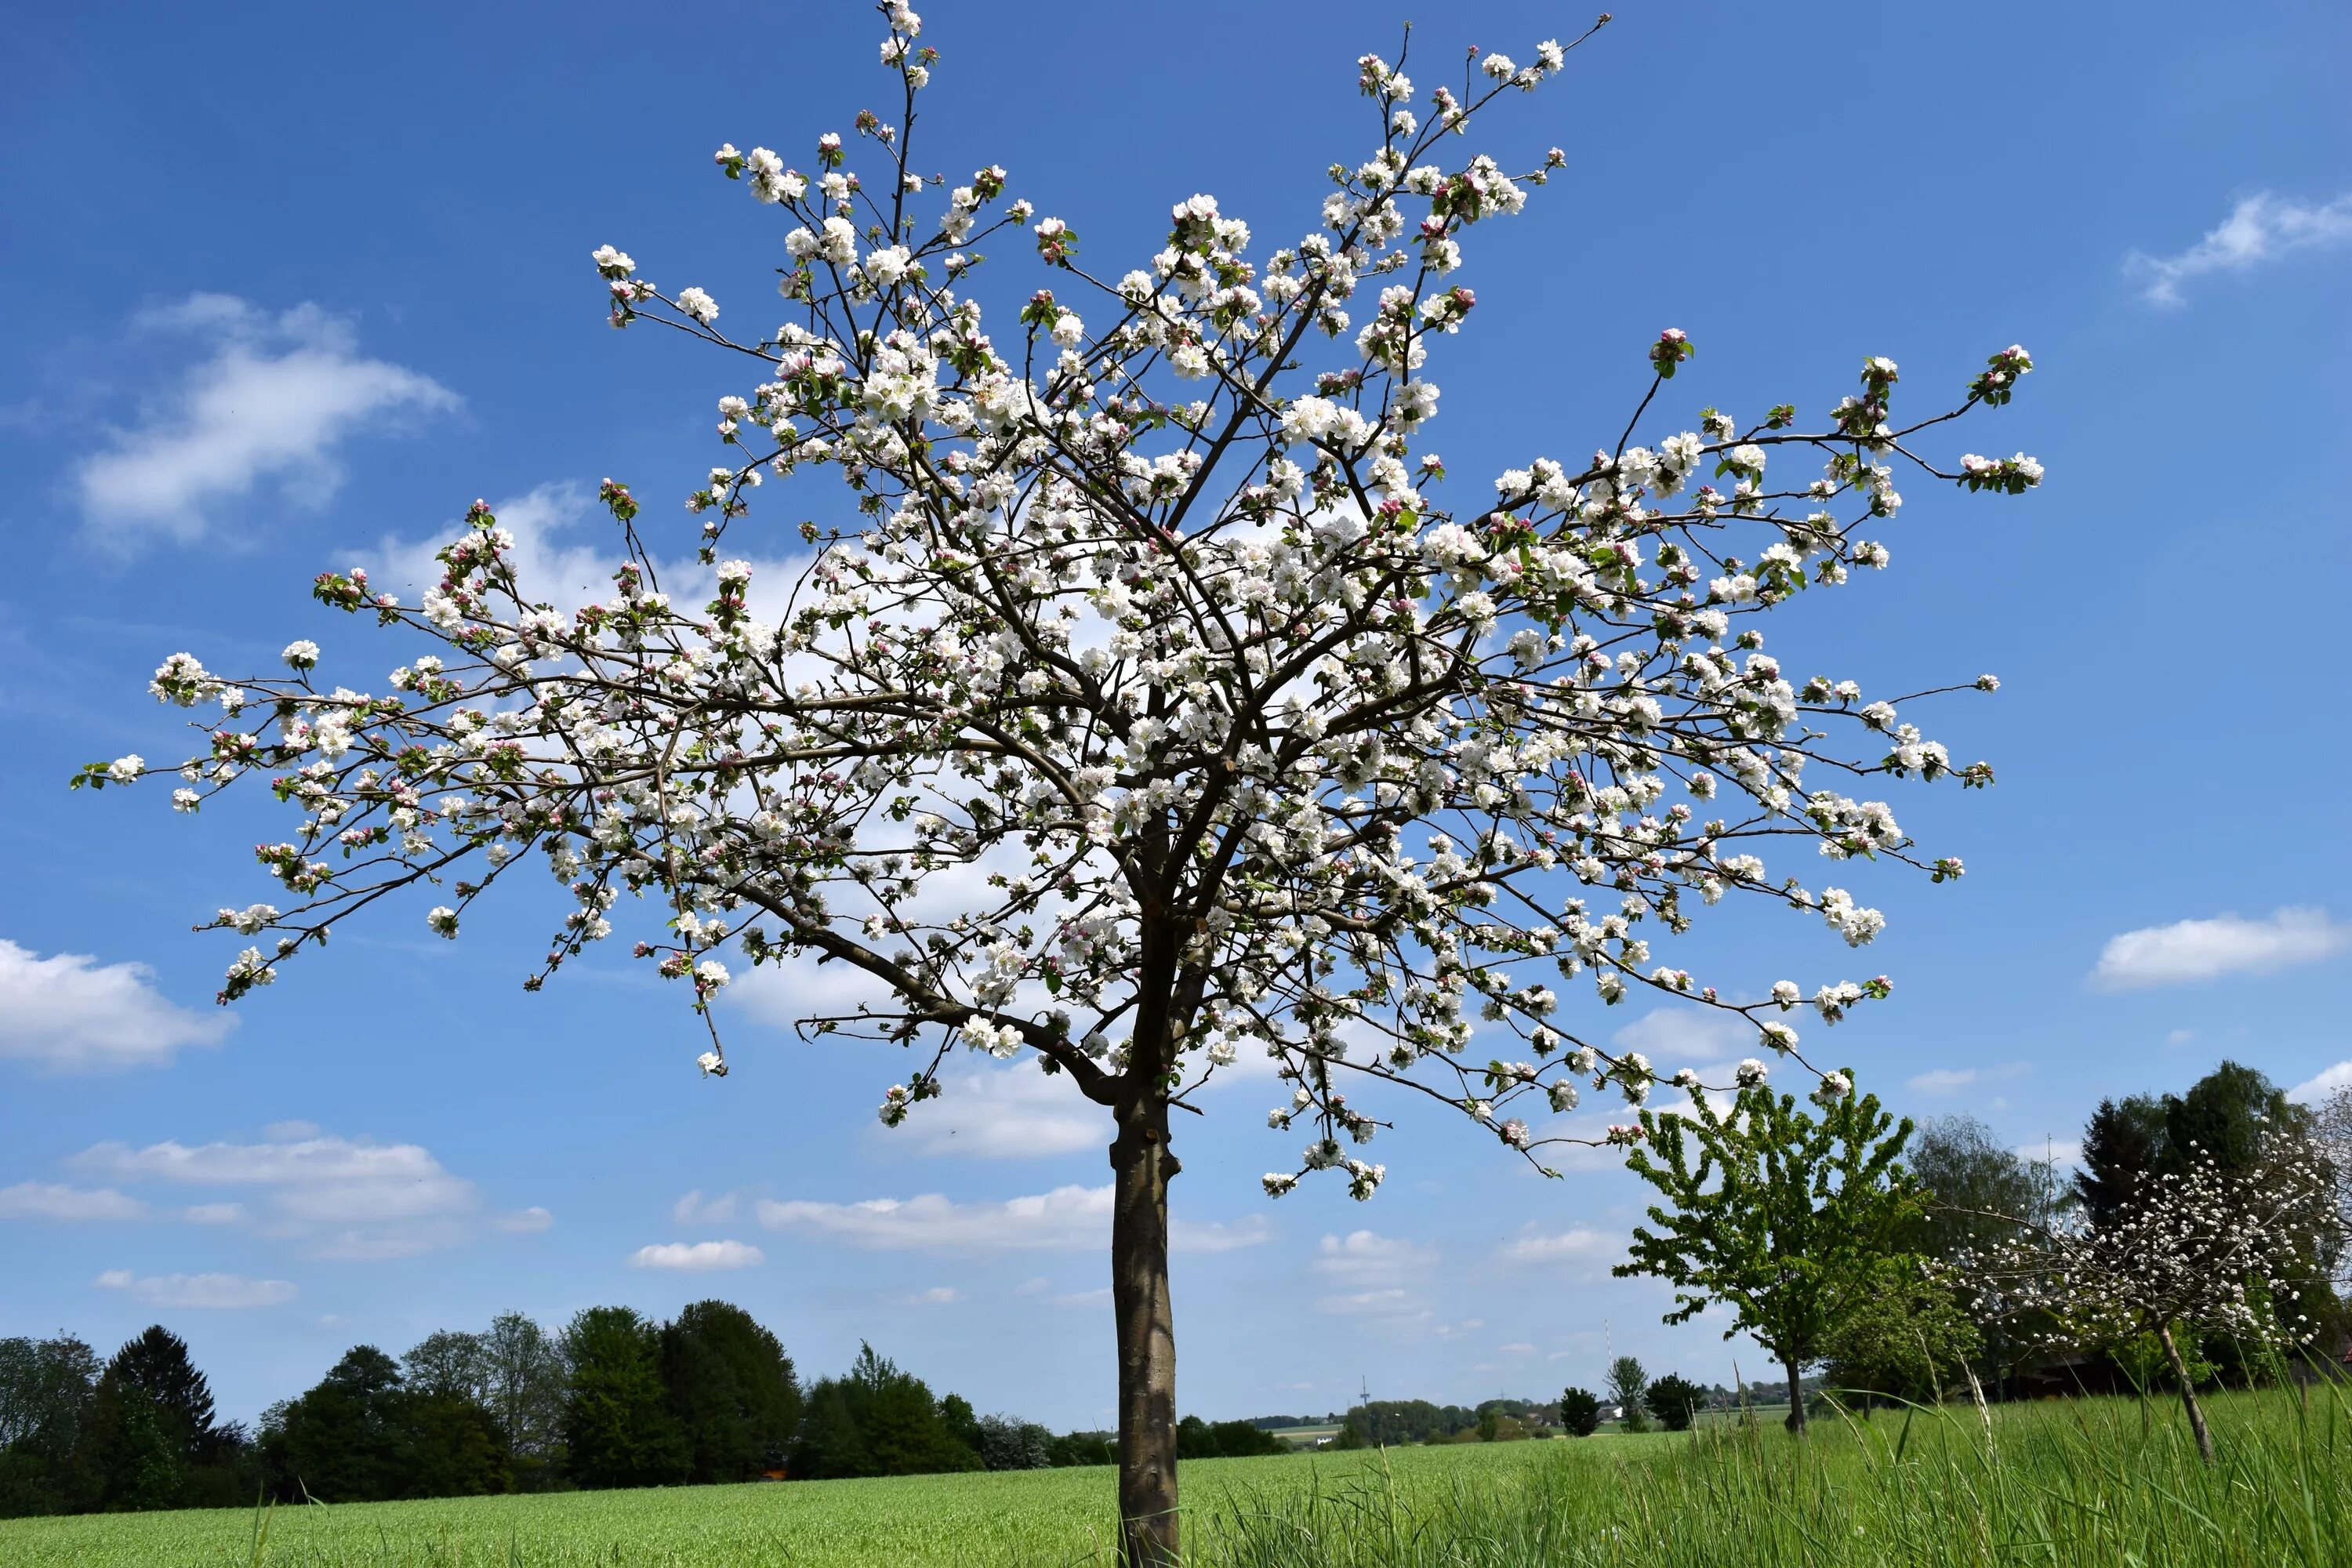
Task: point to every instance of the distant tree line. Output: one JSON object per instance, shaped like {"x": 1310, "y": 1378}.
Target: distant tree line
{"x": 612, "y": 1399}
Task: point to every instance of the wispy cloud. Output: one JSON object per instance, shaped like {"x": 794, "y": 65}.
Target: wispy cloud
{"x": 339, "y": 1198}
{"x": 1006, "y": 1114}
{"x": 698, "y": 1256}
{"x": 695, "y": 1209}
{"x": 52, "y": 1200}
{"x": 276, "y": 399}
{"x": 2187, "y": 952}
{"x": 1951, "y": 1080}
{"x": 1067, "y": 1219}
{"x": 937, "y": 1296}
{"x": 1375, "y": 1276}
{"x": 206, "y": 1291}
{"x": 1680, "y": 1037}
{"x": 1577, "y": 1244}
{"x": 2263, "y": 227}
{"x": 68, "y": 1013}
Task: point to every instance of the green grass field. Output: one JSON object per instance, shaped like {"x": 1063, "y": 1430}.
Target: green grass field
{"x": 2078, "y": 1482}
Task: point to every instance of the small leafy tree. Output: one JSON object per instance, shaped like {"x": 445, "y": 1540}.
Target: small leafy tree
{"x": 1627, "y": 1379}
{"x": 1580, "y": 1412}
{"x": 1148, "y": 632}
{"x": 1776, "y": 1212}
{"x": 1674, "y": 1399}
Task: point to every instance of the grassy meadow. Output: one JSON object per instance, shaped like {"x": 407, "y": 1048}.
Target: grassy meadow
{"x": 2059, "y": 1483}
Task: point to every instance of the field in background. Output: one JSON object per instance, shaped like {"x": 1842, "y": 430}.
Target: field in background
{"x": 2070, "y": 1483}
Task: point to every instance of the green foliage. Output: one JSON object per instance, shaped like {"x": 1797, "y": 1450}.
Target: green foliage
{"x": 1199, "y": 1439}
{"x": 1007, "y": 1445}
{"x": 1674, "y": 1400}
{"x": 1627, "y": 1379}
{"x": 448, "y": 1362}
{"x": 46, "y": 1389}
{"x": 2124, "y": 1143}
{"x": 618, "y": 1430}
{"x": 1771, "y": 1210}
{"x": 525, "y": 1376}
{"x": 1389, "y": 1423}
{"x": 731, "y": 1390}
{"x": 1580, "y": 1412}
{"x": 1902, "y": 1336}
{"x": 2142, "y": 1361}
{"x": 876, "y": 1420}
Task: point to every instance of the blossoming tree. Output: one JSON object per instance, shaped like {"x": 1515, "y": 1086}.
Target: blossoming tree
{"x": 2202, "y": 1249}
{"x": 1148, "y": 703}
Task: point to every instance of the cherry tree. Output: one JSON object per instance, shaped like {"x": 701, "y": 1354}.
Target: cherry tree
{"x": 1150, "y": 700}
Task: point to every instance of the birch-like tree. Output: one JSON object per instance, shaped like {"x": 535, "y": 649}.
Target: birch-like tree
{"x": 1149, "y": 697}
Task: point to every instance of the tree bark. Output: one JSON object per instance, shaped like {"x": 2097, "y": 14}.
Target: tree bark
{"x": 1796, "y": 1401}
{"x": 2187, "y": 1392}
{"x": 1142, "y": 1162}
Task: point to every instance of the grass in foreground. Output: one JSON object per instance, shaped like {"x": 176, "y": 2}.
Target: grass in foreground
{"x": 2078, "y": 1482}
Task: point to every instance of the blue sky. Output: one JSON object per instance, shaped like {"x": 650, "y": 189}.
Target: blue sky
{"x": 294, "y": 287}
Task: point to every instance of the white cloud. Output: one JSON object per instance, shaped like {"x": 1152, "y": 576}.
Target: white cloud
{"x": 341, "y": 1197}
{"x": 1575, "y": 1242}
{"x": 698, "y": 1254}
{"x": 695, "y": 1209}
{"x": 2260, "y": 228}
{"x": 276, "y": 400}
{"x": 937, "y": 1296}
{"x": 2179, "y": 1036}
{"x": 1364, "y": 1256}
{"x": 71, "y": 1014}
{"x": 1377, "y": 1276}
{"x": 197, "y": 1290}
{"x": 1218, "y": 1236}
{"x": 1677, "y": 1036}
{"x": 1005, "y": 1113}
{"x": 2317, "y": 1087}
{"x": 1515, "y": 1350}
{"x": 2187, "y": 952}
{"x": 49, "y": 1200}
{"x": 213, "y": 1214}
{"x": 1067, "y": 1219}
{"x": 551, "y": 564}
{"x": 2058, "y": 1151}
{"x": 1951, "y": 1080}
{"x": 290, "y": 1131}
{"x": 524, "y": 1222}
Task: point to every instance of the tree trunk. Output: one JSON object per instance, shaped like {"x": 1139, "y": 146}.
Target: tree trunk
{"x": 1796, "y": 1401}
{"x": 1147, "y": 1335}
{"x": 2187, "y": 1392}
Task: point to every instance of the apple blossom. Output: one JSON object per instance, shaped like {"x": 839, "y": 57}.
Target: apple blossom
{"x": 1139, "y": 713}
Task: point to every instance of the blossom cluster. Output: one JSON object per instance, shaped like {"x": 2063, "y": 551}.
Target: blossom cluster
{"x": 1153, "y": 702}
